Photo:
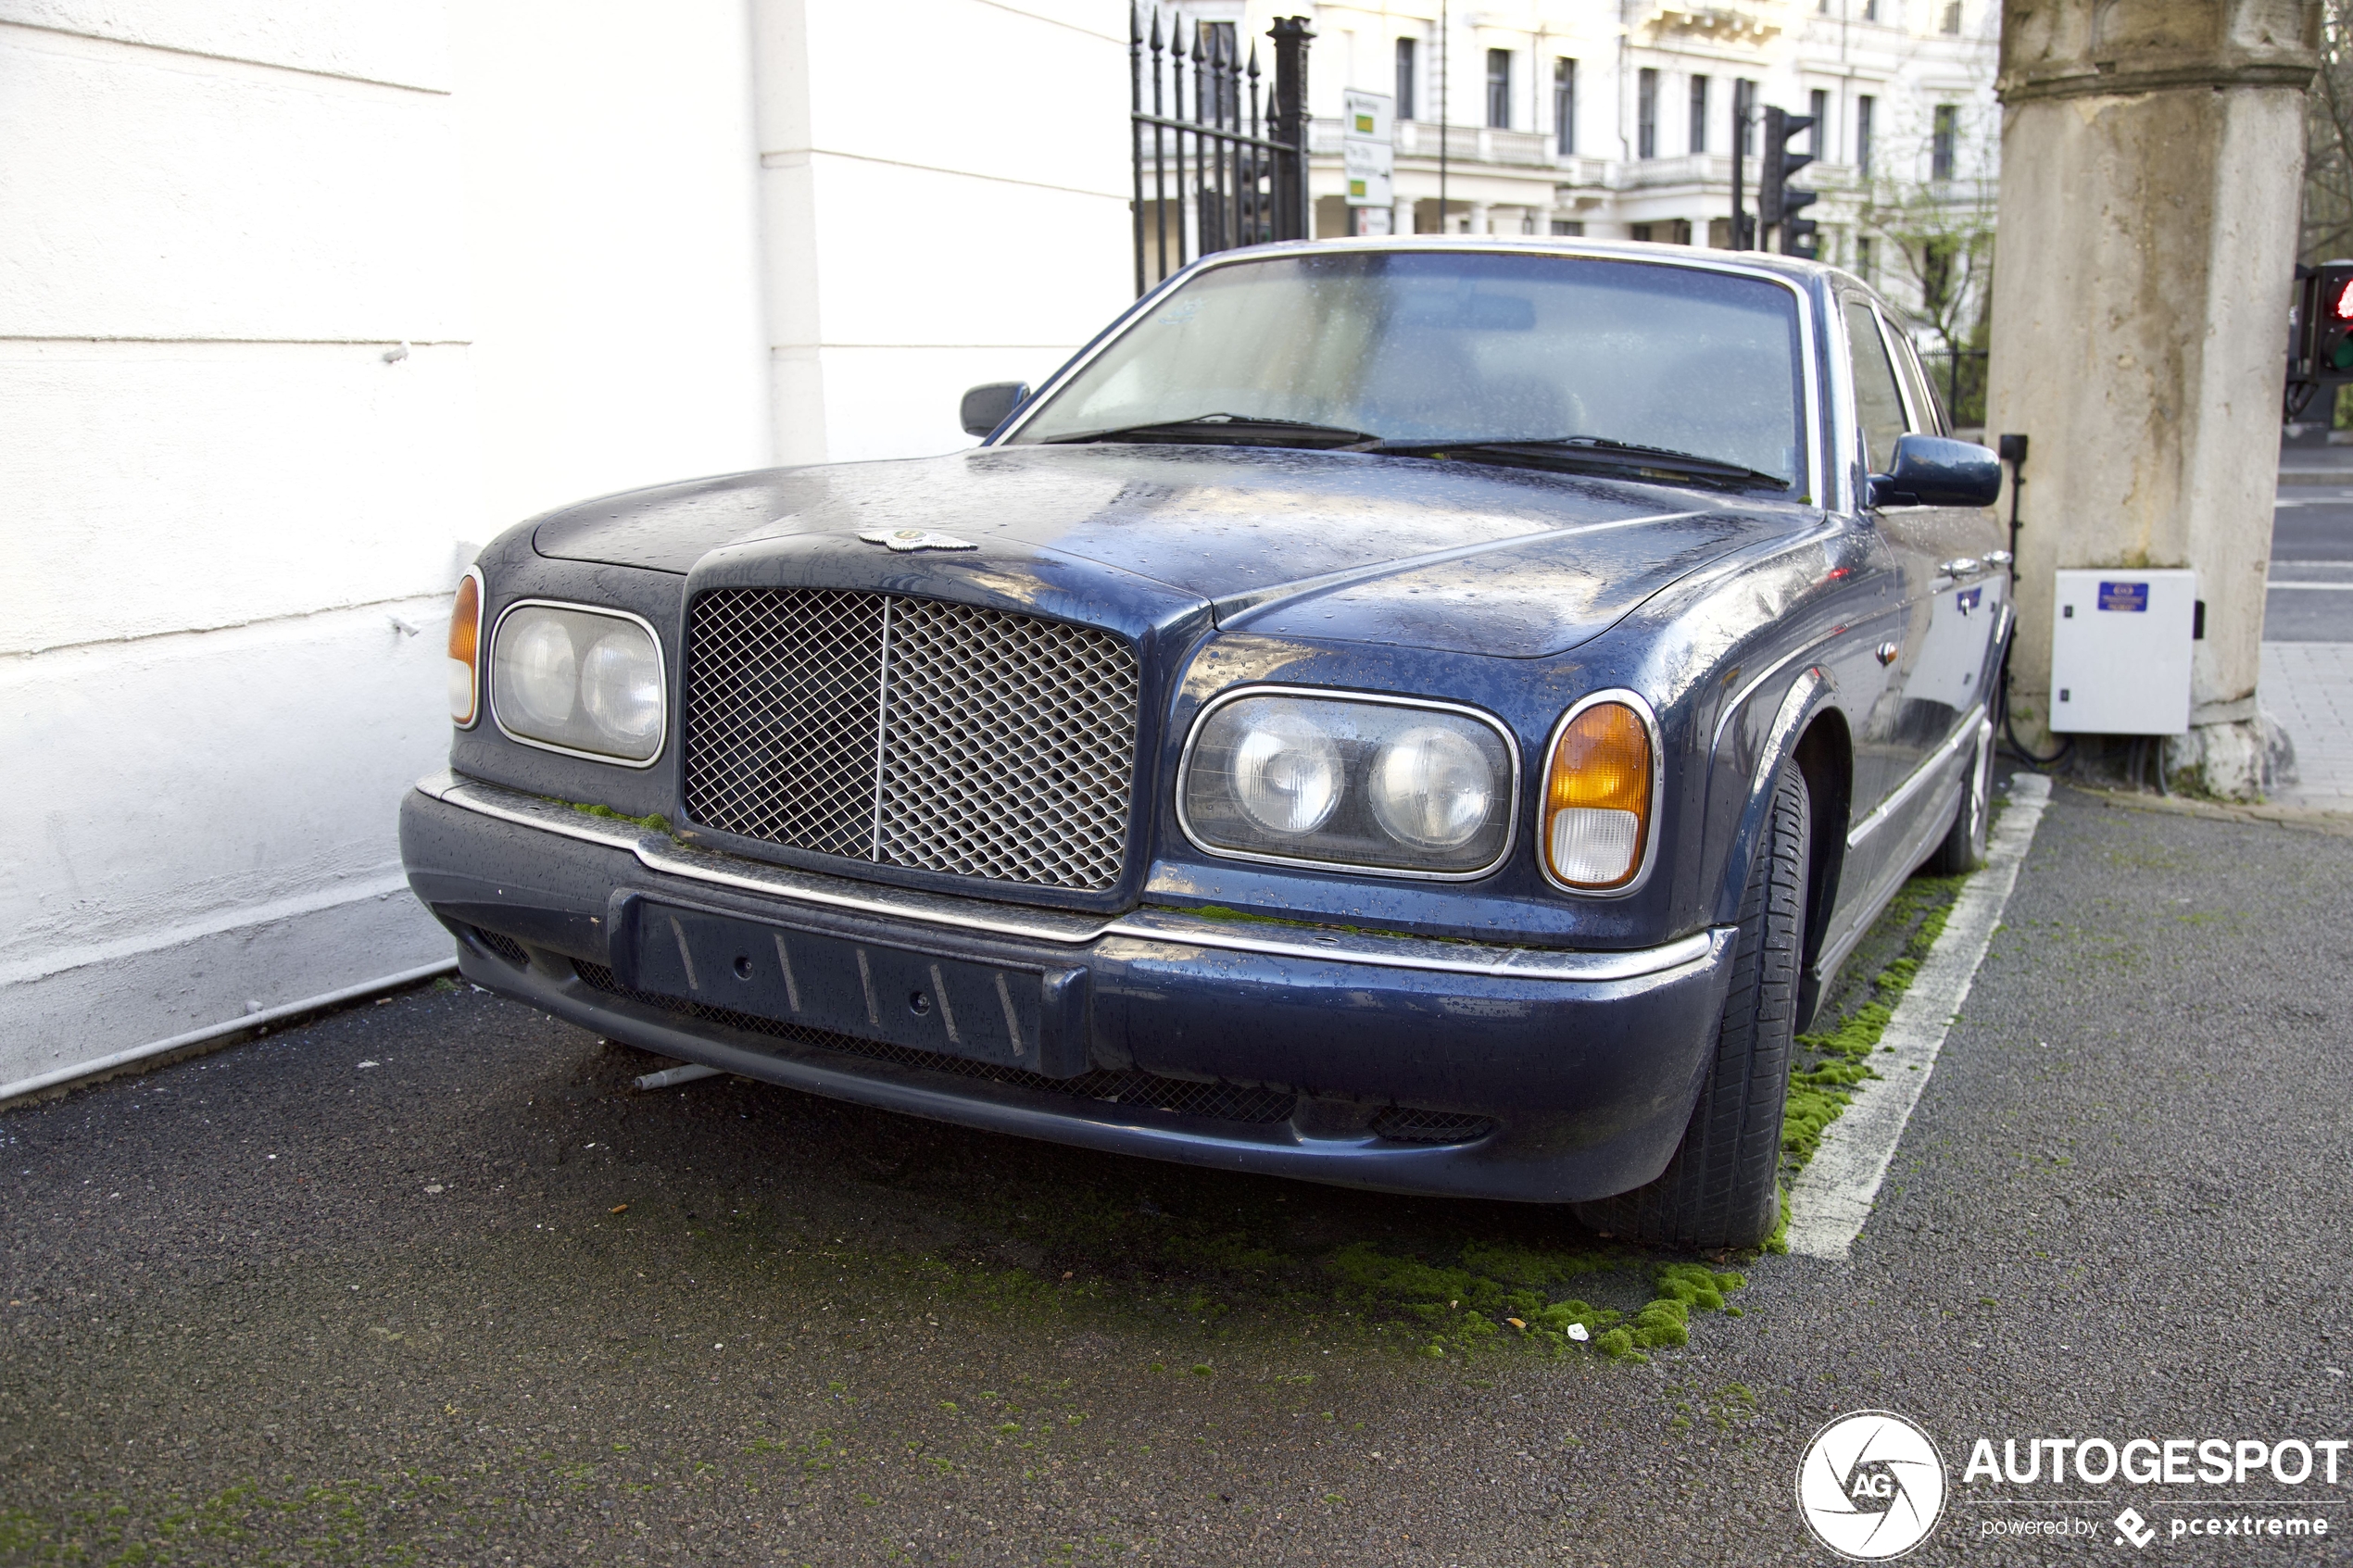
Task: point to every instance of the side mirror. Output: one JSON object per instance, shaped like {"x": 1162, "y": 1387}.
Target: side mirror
{"x": 986, "y": 408}
{"x": 1932, "y": 471}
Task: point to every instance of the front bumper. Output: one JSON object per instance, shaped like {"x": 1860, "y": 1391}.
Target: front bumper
{"x": 1370, "y": 1060}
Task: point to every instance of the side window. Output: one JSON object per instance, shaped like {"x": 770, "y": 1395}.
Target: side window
{"x": 1877, "y": 402}
{"x": 1927, "y": 396}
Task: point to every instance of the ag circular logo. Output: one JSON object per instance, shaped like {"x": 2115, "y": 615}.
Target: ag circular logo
{"x": 1871, "y": 1485}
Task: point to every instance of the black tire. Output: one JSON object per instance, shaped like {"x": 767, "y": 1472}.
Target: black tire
{"x": 1722, "y": 1188}
{"x": 1964, "y": 845}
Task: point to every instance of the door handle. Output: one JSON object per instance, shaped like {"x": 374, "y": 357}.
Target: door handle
{"x": 1960, "y": 566}
{"x": 1886, "y": 652}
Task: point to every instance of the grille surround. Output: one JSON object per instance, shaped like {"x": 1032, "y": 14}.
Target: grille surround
{"x": 916, "y": 733}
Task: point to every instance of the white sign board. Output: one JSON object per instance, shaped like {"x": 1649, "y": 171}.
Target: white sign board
{"x": 1368, "y": 153}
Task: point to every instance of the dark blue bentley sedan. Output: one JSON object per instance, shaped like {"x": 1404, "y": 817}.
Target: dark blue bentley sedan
{"x": 1422, "y": 714}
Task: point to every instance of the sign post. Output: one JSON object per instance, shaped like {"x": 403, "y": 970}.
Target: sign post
{"x": 1368, "y": 158}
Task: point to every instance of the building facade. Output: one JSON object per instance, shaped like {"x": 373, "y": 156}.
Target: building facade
{"x": 1616, "y": 119}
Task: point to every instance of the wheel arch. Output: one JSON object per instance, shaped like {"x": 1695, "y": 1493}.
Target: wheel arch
{"x": 1825, "y": 756}
{"x": 1809, "y": 729}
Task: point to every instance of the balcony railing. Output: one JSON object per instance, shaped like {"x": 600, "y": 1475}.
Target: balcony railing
{"x": 1473, "y": 147}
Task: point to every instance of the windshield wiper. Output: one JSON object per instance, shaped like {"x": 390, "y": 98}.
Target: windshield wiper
{"x": 1587, "y": 451}
{"x": 1236, "y": 430}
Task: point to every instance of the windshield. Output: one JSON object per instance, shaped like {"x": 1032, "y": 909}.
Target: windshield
{"x": 1463, "y": 346}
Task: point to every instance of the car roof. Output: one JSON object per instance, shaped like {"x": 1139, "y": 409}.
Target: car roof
{"x": 1795, "y": 267}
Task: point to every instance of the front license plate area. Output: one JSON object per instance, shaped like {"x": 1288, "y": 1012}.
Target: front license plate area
{"x": 1005, "y": 1014}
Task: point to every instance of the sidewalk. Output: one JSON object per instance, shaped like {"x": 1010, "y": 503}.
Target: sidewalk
{"x": 2309, "y": 689}
{"x": 2307, "y": 682}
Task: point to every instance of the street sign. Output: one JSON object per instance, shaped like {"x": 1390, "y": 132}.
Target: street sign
{"x": 1369, "y": 154}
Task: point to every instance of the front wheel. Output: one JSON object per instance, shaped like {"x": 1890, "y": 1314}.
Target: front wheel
{"x": 1722, "y": 1187}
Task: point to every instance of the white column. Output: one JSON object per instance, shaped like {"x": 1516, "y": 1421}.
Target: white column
{"x": 2140, "y": 354}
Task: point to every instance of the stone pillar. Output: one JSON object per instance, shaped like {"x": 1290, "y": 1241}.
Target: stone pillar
{"x": 2151, "y": 162}
{"x": 1478, "y": 221}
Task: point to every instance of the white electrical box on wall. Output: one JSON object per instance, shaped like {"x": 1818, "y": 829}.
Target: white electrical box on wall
{"x": 2120, "y": 643}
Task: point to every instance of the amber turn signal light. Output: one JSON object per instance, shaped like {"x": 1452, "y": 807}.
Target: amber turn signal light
{"x": 1597, "y": 797}
{"x": 465, "y": 651}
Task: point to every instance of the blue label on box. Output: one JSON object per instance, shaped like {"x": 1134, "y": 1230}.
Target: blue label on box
{"x": 2134, "y": 596}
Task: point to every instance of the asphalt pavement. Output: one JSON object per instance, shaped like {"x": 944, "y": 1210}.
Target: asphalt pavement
{"x": 426, "y": 1282}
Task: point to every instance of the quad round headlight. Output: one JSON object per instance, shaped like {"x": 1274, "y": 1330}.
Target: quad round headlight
{"x": 578, "y": 679}
{"x": 621, "y": 686}
{"x": 1431, "y": 788}
{"x": 1381, "y": 783}
{"x": 1285, "y": 773}
{"x": 537, "y": 669}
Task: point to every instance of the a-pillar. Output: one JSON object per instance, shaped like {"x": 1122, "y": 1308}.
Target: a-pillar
{"x": 2152, "y": 159}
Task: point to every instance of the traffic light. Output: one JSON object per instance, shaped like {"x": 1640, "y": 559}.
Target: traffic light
{"x": 1778, "y": 201}
{"x": 2321, "y": 347}
{"x": 2328, "y": 307}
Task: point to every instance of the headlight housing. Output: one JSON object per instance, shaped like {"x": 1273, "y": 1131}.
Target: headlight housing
{"x": 586, "y": 682}
{"x": 1601, "y": 790}
{"x": 1382, "y": 784}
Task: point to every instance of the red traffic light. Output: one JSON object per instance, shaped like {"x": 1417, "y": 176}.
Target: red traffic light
{"x": 2343, "y": 310}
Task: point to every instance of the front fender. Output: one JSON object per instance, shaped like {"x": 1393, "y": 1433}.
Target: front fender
{"x": 1742, "y": 771}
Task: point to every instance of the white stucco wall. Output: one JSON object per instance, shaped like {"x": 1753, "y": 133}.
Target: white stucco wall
{"x": 232, "y": 522}
{"x": 947, "y": 208}
{"x": 611, "y": 244}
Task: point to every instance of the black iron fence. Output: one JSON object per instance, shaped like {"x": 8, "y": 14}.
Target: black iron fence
{"x": 1960, "y": 376}
{"x": 1222, "y": 160}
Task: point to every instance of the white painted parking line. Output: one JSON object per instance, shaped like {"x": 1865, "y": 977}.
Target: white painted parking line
{"x": 1834, "y": 1195}
{"x": 2333, "y": 587}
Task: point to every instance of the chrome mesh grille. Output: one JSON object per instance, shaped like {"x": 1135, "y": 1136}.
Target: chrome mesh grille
{"x": 911, "y": 733}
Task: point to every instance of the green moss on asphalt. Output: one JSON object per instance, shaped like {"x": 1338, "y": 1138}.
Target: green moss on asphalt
{"x": 1830, "y": 1063}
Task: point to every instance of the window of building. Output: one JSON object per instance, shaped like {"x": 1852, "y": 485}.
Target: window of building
{"x": 1565, "y": 105}
{"x": 1744, "y": 114}
{"x": 1952, "y": 16}
{"x": 1870, "y": 10}
{"x": 1817, "y": 103}
{"x": 1568, "y": 226}
{"x": 1866, "y": 263}
{"x": 1406, "y": 51}
{"x": 1699, "y": 114}
{"x": 1639, "y": 230}
{"x": 1645, "y": 115}
{"x": 1863, "y": 108}
{"x": 1499, "y": 89}
{"x": 1943, "y": 141}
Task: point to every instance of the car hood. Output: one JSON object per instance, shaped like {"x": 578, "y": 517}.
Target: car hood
{"x": 1344, "y": 546}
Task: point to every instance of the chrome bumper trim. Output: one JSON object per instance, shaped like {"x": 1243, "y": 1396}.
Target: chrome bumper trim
{"x": 660, "y": 852}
